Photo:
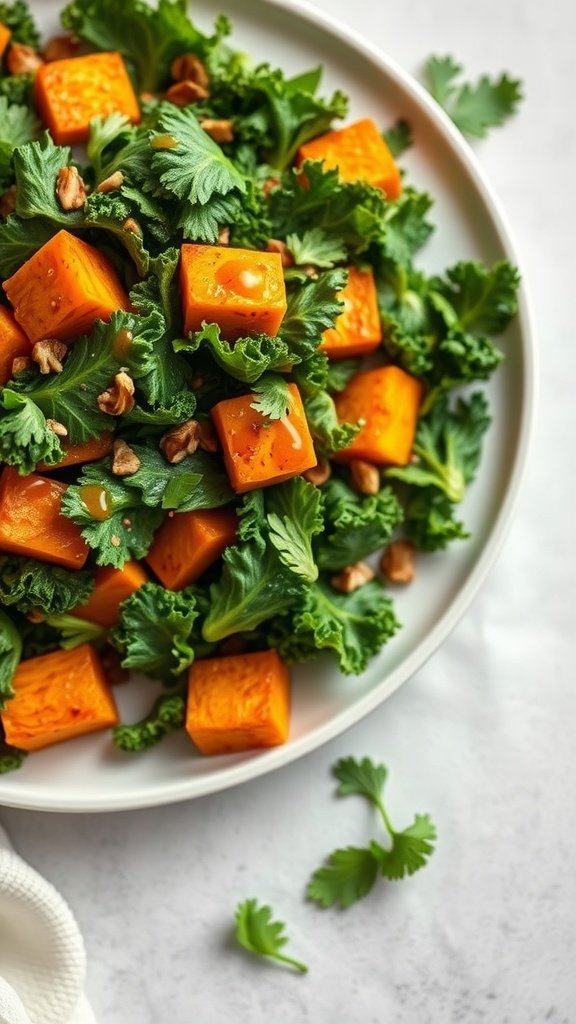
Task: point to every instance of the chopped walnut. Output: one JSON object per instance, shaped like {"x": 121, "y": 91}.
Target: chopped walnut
{"x": 219, "y": 130}
{"x": 58, "y": 428}
{"x": 61, "y": 48}
{"x": 133, "y": 227}
{"x": 397, "y": 562}
{"x": 49, "y": 354}
{"x": 180, "y": 441}
{"x": 189, "y": 68}
{"x": 70, "y": 189}
{"x": 119, "y": 397}
{"x": 224, "y": 236}
{"x": 364, "y": 476}
{"x": 111, "y": 183}
{"x": 275, "y": 245}
{"x": 319, "y": 474}
{"x": 184, "y": 93}
{"x": 23, "y": 60}
{"x": 124, "y": 460}
{"x": 311, "y": 271}
{"x": 208, "y": 439}
{"x": 352, "y": 577}
{"x": 8, "y": 201}
{"x": 20, "y": 364}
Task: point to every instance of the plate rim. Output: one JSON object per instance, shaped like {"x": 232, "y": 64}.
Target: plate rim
{"x": 192, "y": 787}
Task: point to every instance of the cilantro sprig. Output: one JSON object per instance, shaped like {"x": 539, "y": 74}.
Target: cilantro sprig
{"x": 350, "y": 873}
{"x": 257, "y": 932}
{"x": 474, "y": 109}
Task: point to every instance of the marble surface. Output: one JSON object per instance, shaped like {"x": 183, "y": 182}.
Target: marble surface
{"x": 482, "y": 737}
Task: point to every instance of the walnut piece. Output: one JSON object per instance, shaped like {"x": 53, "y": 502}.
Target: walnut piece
{"x": 58, "y": 428}
{"x": 20, "y": 364}
{"x": 352, "y": 577}
{"x": 119, "y": 397}
{"x": 111, "y": 183}
{"x": 187, "y": 92}
{"x": 61, "y": 48}
{"x": 8, "y": 201}
{"x": 319, "y": 474}
{"x": 70, "y": 189}
{"x": 124, "y": 460}
{"x": 219, "y": 130}
{"x": 364, "y": 476}
{"x": 397, "y": 562}
{"x": 180, "y": 441}
{"x": 208, "y": 439}
{"x": 49, "y": 354}
{"x": 275, "y": 245}
{"x": 189, "y": 68}
{"x": 23, "y": 60}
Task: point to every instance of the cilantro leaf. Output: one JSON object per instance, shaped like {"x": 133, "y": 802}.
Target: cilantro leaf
{"x": 27, "y": 583}
{"x": 10, "y": 654}
{"x": 317, "y": 248}
{"x": 312, "y": 309}
{"x": 409, "y": 849}
{"x": 258, "y": 933}
{"x": 399, "y": 137}
{"x": 18, "y": 124}
{"x": 247, "y": 359}
{"x": 156, "y": 633}
{"x": 199, "y": 481}
{"x": 129, "y": 526}
{"x": 167, "y": 715}
{"x": 481, "y": 299}
{"x": 348, "y": 876}
{"x": 16, "y": 16}
{"x": 294, "y": 518}
{"x": 405, "y": 228}
{"x": 355, "y": 526}
{"x": 354, "y": 626}
{"x": 448, "y": 446}
{"x": 473, "y": 108}
{"x": 360, "y": 778}
{"x": 273, "y": 399}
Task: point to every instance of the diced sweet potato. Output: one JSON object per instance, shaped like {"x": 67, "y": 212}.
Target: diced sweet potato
{"x": 76, "y": 454}
{"x": 358, "y": 329}
{"x": 188, "y": 542}
{"x": 13, "y": 342}
{"x": 241, "y": 290}
{"x": 70, "y": 92}
{"x": 258, "y": 452}
{"x": 63, "y": 288}
{"x": 238, "y": 703}
{"x": 5, "y": 37}
{"x": 58, "y": 696}
{"x": 31, "y": 523}
{"x": 112, "y": 586}
{"x": 360, "y": 154}
{"x": 388, "y": 400}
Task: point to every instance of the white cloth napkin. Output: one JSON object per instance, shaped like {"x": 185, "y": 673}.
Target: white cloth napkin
{"x": 42, "y": 957}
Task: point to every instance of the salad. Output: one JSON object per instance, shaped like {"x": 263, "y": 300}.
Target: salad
{"x": 225, "y": 383}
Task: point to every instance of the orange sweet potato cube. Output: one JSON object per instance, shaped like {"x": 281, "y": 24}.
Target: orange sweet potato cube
{"x": 63, "y": 288}
{"x": 187, "y": 543}
{"x": 238, "y": 703}
{"x": 13, "y": 343}
{"x": 5, "y": 37}
{"x": 112, "y": 586}
{"x": 360, "y": 154}
{"x": 358, "y": 330}
{"x": 85, "y": 451}
{"x": 31, "y": 523}
{"x": 57, "y": 697}
{"x": 388, "y": 401}
{"x": 258, "y": 452}
{"x": 70, "y": 92}
{"x": 241, "y": 290}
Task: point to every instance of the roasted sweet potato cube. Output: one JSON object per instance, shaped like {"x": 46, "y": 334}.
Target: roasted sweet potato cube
{"x": 112, "y": 586}
{"x": 13, "y": 343}
{"x": 239, "y": 289}
{"x": 63, "y": 288}
{"x": 388, "y": 401}
{"x": 58, "y": 696}
{"x": 258, "y": 452}
{"x": 5, "y": 37}
{"x": 360, "y": 154}
{"x": 77, "y": 454}
{"x": 70, "y": 92}
{"x": 31, "y": 523}
{"x": 187, "y": 543}
{"x": 238, "y": 703}
{"x": 358, "y": 330}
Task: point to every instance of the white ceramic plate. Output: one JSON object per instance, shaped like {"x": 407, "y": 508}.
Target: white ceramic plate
{"x": 88, "y": 774}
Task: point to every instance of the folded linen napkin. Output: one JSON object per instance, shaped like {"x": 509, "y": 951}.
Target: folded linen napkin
{"x": 42, "y": 958}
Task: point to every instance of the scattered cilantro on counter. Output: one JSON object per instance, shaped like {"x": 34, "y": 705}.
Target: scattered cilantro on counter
{"x": 257, "y": 932}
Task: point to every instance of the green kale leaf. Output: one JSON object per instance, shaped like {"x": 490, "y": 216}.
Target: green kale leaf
{"x": 355, "y": 526}
{"x": 158, "y": 631}
{"x": 10, "y": 654}
{"x": 167, "y": 715}
{"x": 28, "y": 584}
{"x": 245, "y": 360}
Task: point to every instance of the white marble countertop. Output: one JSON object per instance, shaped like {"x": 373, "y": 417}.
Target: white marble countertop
{"x": 482, "y": 737}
